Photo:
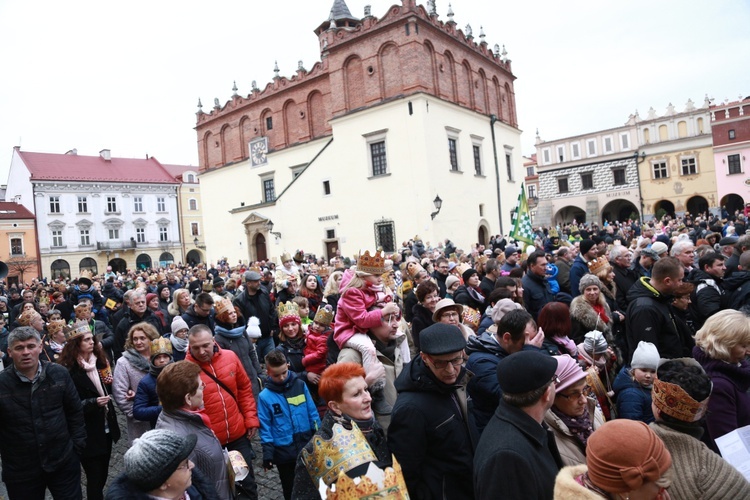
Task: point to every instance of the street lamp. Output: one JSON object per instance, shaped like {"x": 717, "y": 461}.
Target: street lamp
{"x": 196, "y": 243}
{"x": 269, "y": 226}
{"x": 438, "y": 205}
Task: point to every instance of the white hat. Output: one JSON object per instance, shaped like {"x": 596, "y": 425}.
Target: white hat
{"x": 645, "y": 356}
{"x": 659, "y": 247}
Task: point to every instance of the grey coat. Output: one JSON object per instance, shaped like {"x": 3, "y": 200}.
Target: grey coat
{"x": 245, "y": 350}
{"x": 207, "y": 455}
{"x": 126, "y": 378}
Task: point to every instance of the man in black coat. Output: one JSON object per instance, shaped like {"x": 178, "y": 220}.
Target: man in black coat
{"x": 625, "y": 277}
{"x": 517, "y": 457}
{"x": 42, "y": 431}
{"x": 255, "y": 301}
{"x": 430, "y": 432}
{"x": 138, "y": 312}
{"x": 536, "y": 289}
{"x": 201, "y": 312}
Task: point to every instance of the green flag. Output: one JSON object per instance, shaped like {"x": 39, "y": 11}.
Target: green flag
{"x": 521, "y": 222}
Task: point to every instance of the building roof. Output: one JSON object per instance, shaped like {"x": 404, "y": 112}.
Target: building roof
{"x": 13, "y": 210}
{"x": 176, "y": 171}
{"x": 340, "y": 10}
{"x": 74, "y": 167}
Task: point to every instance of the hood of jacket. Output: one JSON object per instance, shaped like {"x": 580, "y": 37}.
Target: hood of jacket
{"x": 280, "y": 387}
{"x": 416, "y": 377}
{"x": 736, "y": 280}
{"x": 643, "y": 288}
{"x": 485, "y": 343}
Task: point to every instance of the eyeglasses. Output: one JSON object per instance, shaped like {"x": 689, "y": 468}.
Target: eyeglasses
{"x": 449, "y": 314}
{"x": 585, "y": 392}
{"x": 441, "y": 364}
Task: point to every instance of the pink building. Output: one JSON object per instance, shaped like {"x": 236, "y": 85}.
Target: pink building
{"x": 730, "y": 125}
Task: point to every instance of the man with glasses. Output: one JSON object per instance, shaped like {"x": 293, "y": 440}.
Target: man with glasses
{"x": 650, "y": 317}
{"x": 138, "y": 311}
{"x": 430, "y": 433}
{"x": 441, "y": 274}
{"x": 517, "y": 457}
{"x": 201, "y": 312}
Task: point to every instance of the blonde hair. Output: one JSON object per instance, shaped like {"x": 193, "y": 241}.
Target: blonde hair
{"x": 144, "y": 327}
{"x": 332, "y": 286}
{"x": 722, "y": 332}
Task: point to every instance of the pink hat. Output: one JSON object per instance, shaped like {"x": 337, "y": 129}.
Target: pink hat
{"x": 568, "y": 371}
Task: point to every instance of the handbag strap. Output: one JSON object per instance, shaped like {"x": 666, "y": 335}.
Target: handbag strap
{"x": 221, "y": 384}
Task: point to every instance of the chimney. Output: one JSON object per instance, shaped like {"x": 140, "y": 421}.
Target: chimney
{"x": 17, "y": 199}
{"x": 73, "y": 152}
{"x": 106, "y": 154}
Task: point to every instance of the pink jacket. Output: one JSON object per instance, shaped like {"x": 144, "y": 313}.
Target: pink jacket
{"x": 352, "y": 315}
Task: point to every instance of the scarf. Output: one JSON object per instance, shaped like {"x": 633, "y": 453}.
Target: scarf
{"x": 156, "y": 370}
{"x": 364, "y": 425}
{"x": 178, "y": 343}
{"x": 580, "y": 427}
{"x": 139, "y": 362}
{"x": 89, "y": 366}
{"x": 475, "y": 293}
{"x": 600, "y": 311}
{"x": 55, "y": 346}
{"x": 297, "y": 343}
{"x": 233, "y": 333}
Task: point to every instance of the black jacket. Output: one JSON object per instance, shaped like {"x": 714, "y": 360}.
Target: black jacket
{"x": 624, "y": 279}
{"x": 421, "y": 318}
{"x": 708, "y": 298}
{"x": 440, "y": 280}
{"x": 517, "y": 458}
{"x": 431, "y": 435}
{"x": 192, "y": 319}
{"x": 536, "y": 293}
{"x": 468, "y": 297}
{"x": 260, "y": 306}
{"x": 737, "y": 287}
{"x": 483, "y": 388}
{"x": 40, "y": 429}
{"x": 123, "y": 327}
{"x": 122, "y": 489}
{"x": 94, "y": 415}
{"x": 650, "y": 319}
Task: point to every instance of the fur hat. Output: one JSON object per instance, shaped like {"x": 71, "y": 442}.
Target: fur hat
{"x": 588, "y": 280}
{"x": 624, "y": 454}
{"x": 645, "y": 356}
{"x": 155, "y": 456}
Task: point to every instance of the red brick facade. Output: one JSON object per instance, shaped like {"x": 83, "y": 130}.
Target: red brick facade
{"x": 739, "y": 123}
{"x": 404, "y": 52}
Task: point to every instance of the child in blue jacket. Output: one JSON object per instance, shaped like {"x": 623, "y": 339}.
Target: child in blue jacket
{"x": 288, "y": 418}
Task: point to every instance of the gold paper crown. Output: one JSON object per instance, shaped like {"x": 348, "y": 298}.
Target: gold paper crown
{"x": 324, "y": 271}
{"x": 675, "y": 402}
{"x": 597, "y": 265}
{"x": 222, "y": 305}
{"x": 553, "y": 233}
{"x": 324, "y": 316}
{"x": 345, "y": 450}
{"x": 376, "y": 483}
{"x": 285, "y": 257}
{"x": 55, "y": 326}
{"x": 82, "y": 305}
{"x": 76, "y": 330}
{"x": 86, "y": 274}
{"x": 288, "y": 310}
{"x": 27, "y": 317}
{"x": 413, "y": 269}
{"x": 462, "y": 268}
{"x": 471, "y": 317}
{"x": 162, "y": 345}
{"x": 371, "y": 264}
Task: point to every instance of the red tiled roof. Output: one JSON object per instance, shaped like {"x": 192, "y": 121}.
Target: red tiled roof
{"x": 69, "y": 167}
{"x": 13, "y": 210}
{"x": 176, "y": 171}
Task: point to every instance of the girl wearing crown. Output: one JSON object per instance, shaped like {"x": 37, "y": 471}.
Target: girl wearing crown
{"x": 361, "y": 291}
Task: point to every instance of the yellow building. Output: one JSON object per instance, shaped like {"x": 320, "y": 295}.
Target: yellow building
{"x": 18, "y": 249}
{"x": 676, "y": 164}
{"x": 190, "y": 212}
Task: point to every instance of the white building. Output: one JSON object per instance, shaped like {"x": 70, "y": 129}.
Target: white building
{"x": 94, "y": 211}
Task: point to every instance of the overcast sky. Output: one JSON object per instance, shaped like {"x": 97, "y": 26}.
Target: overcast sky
{"x": 127, "y": 75}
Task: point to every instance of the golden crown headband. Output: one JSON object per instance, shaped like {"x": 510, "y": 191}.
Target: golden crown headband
{"x": 371, "y": 264}
{"x": 375, "y": 483}
{"x": 675, "y": 402}
{"x": 345, "y": 450}
{"x": 162, "y": 345}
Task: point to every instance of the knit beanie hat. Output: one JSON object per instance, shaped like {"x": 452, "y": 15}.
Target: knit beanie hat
{"x": 179, "y": 324}
{"x": 503, "y": 307}
{"x": 588, "y": 280}
{"x": 155, "y": 456}
{"x": 468, "y": 274}
{"x": 568, "y": 371}
{"x": 624, "y": 454}
{"x": 150, "y": 297}
{"x": 645, "y": 356}
{"x": 253, "y": 328}
{"x": 586, "y": 245}
{"x": 595, "y": 343}
{"x": 451, "y": 280}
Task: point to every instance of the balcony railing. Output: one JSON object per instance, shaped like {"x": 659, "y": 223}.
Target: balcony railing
{"x": 115, "y": 245}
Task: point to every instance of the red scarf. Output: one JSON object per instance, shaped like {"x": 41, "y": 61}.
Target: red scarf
{"x": 600, "y": 311}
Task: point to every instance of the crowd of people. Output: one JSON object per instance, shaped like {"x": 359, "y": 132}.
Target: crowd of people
{"x": 586, "y": 362}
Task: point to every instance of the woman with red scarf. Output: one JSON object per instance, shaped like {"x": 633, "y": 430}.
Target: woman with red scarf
{"x": 313, "y": 292}
{"x": 589, "y": 311}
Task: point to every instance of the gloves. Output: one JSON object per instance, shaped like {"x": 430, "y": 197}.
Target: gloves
{"x": 267, "y": 465}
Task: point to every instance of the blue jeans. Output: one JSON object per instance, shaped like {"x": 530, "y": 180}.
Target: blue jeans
{"x": 264, "y": 346}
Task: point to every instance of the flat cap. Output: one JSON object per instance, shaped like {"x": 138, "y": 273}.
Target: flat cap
{"x": 440, "y": 339}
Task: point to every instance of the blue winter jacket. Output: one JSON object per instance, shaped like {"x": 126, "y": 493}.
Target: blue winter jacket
{"x": 633, "y": 400}
{"x": 146, "y": 405}
{"x": 577, "y": 270}
{"x": 288, "y": 419}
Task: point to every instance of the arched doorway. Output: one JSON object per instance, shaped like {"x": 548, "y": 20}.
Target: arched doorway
{"x": 88, "y": 264}
{"x": 143, "y": 262}
{"x": 733, "y": 202}
{"x": 569, "y": 214}
{"x": 60, "y": 269}
{"x": 666, "y": 207}
{"x": 697, "y": 205}
{"x": 118, "y": 265}
{"x": 165, "y": 259}
{"x": 260, "y": 247}
{"x": 619, "y": 210}
{"x": 482, "y": 236}
{"x": 194, "y": 257}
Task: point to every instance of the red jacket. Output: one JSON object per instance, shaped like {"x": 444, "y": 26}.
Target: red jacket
{"x": 229, "y": 420}
{"x": 316, "y": 351}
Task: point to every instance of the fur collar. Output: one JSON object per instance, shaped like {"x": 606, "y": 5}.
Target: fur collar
{"x": 567, "y": 488}
{"x": 582, "y": 311}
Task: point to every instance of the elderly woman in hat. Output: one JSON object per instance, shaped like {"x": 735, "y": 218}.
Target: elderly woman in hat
{"x": 625, "y": 460}
{"x": 450, "y": 313}
{"x": 721, "y": 347}
{"x": 89, "y": 368}
{"x": 575, "y": 413}
{"x": 589, "y": 311}
{"x": 681, "y": 395}
{"x": 157, "y": 466}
